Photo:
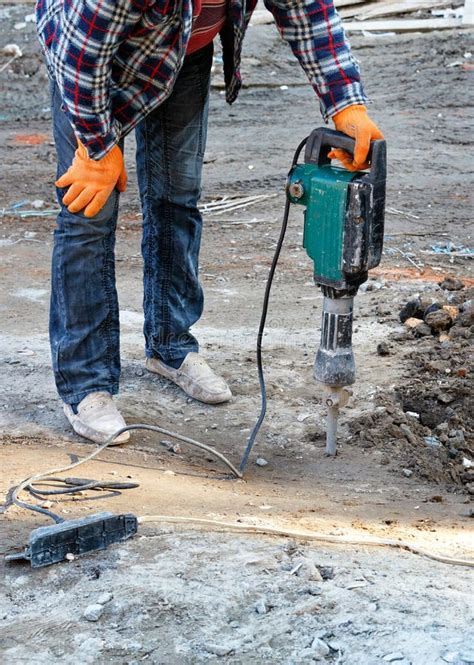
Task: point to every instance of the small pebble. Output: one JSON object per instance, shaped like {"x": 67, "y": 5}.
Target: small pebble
{"x": 261, "y": 607}
{"x": 327, "y": 572}
{"x": 449, "y": 656}
{"x": 432, "y": 441}
{"x": 383, "y": 349}
{"x": 93, "y": 612}
{"x": 104, "y": 598}
{"x": 451, "y": 284}
{"x": 319, "y": 647}
{"x": 312, "y": 590}
{"x": 218, "y": 649}
{"x": 260, "y": 461}
{"x": 307, "y": 570}
{"x": 407, "y": 473}
{"x": 408, "y": 433}
{"x": 392, "y": 657}
{"x": 412, "y": 322}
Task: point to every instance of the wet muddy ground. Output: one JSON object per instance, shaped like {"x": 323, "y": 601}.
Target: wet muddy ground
{"x": 181, "y": 596}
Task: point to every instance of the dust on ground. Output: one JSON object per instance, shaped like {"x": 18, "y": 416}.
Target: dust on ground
{"x": 181, "y": 596}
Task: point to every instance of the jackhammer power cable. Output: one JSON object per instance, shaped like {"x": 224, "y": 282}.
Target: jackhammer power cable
{"x": 31, "y": 483}
{"x": 268, "y": 530}
{"x": 263, "y": 318}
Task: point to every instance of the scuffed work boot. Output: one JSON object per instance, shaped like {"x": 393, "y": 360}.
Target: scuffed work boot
{"x": 195, "y": 377}
{"x": 97, "y": 418}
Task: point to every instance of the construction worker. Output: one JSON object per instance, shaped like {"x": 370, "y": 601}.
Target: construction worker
{"x": 145, "y": 65}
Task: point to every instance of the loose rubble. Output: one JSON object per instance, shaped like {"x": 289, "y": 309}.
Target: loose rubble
{"x": 426, "y": 426}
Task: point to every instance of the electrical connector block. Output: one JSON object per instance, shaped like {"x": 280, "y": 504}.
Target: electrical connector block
{"x": 52, "y": 544}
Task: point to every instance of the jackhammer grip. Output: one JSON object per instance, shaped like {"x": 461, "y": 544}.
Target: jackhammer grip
{"x": 322, "y": 140}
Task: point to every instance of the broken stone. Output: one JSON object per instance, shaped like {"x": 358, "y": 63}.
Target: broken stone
{"x": 470, "y": 488}
{"x": 319, "y": 648}
{"x": 434, "y": 307}
{"x": 452, "y": 311}
{"x": 104, "y": 598}
{"x": 260, "y": 461}
{"x": 93, "y": 612}
{"x": 327, "y": 572}
{"x": 422, "y": 330}
{"x": 439, "y": 320}
{"x": 408, "y": 433}
{"x": 444, "y": 397}
{"x": 383, "y": 349}
{"x": 393, "y": 657}
{"x": 370, "y": 286}
{"x": 451, "y": 284}
{"x": 261, "y": 607}
{"x": 218, "y": 649}
{"x": 312, "y": 590}
{"x": 412, "y": 309}
{"x": 432, "y": 441}
{"x": 456, "y": 436}
{"x": 413, "y": 322}
{"x": 307, "y": 570}
{"x": 449, "y": 656}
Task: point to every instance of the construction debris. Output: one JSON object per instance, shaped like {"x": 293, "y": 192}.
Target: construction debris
{"x": 14, "y": 51}
{"x": 226, "y": 204}
{"x": 411, "y": 15}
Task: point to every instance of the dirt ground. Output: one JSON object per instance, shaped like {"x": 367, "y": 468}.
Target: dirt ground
{"x": 190, "y": 595}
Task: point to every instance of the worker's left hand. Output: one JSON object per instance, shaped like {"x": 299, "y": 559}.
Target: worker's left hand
{"x": 355, "y": 122}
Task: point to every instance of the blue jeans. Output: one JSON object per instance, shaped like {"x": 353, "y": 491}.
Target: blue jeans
{"x": 84, "y": 312}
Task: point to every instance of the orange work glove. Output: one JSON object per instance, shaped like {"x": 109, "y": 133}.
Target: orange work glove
{"x": 91, "y": 182}
{"x": 355, "y": 122}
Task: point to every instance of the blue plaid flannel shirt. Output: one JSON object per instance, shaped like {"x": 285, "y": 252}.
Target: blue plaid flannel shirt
{"x": 115, "y": 62}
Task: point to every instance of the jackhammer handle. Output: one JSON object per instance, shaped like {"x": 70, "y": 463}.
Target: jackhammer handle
{"x": 322, "y": 140}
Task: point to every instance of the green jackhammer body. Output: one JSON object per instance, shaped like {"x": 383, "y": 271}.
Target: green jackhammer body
{"x": 343, "y": 235}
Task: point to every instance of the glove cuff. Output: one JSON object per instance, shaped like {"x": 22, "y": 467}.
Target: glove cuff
{"x": 349, "y": 112}
{"x": 111, "y": 157}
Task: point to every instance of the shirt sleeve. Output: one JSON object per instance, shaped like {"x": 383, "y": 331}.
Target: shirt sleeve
{"x": 313, "y": 29}
{"x": 80, "y": 53}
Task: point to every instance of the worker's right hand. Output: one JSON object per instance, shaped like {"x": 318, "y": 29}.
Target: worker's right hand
{"x": 91, "y": 182}
{"x": 355, "y": 122}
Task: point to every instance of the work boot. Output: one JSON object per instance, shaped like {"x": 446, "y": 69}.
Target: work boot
{"x": 195, "y": 377}
{"x": 97, "y": 418}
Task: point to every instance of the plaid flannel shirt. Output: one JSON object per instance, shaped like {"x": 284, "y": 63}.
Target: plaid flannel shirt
{"x": 115, "y": 62}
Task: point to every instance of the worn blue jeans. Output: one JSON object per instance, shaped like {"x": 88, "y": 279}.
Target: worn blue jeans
{"x": 84, "y": 312}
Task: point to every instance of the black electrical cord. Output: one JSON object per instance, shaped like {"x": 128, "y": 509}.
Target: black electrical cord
{"x": 66, "y": 486}
{"x": 263, "y": 318}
